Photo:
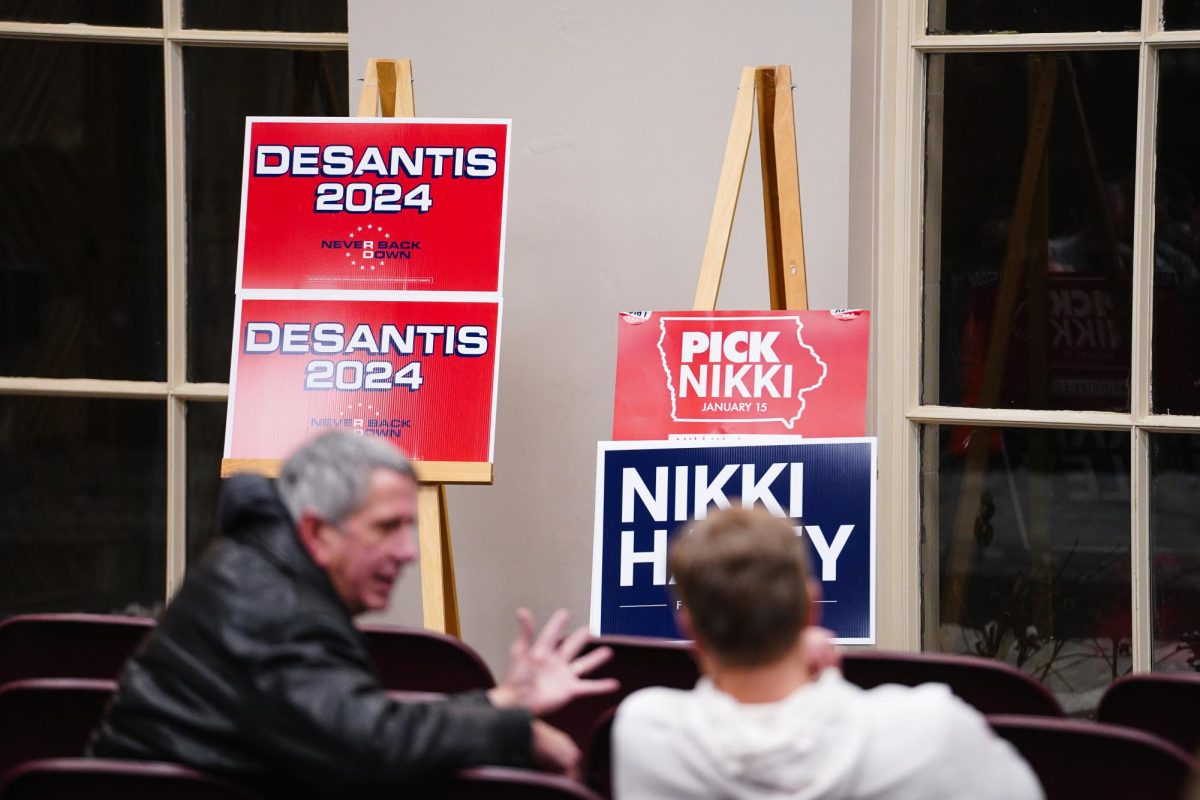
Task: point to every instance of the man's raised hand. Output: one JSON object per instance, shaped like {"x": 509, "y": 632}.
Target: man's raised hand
{"x": 544, "y": 674}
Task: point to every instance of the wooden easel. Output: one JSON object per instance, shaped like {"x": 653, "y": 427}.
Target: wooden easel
{"x": 387, "y": 91}
{"x": 781, "y": 191}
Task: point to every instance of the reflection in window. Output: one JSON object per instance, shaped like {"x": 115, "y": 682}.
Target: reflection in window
{"x": 1175, "y": 550}
{"x": 1179, "y": 14}
{"x": 206, "y": 439}
{"x": 219, "y": 98}
{"x": 1027, "y": 282}
{"x": 1033, "y": 16}
{"x": 315, "y": 16}
{"x": 123, "y": 13}
{"x": 1031, "y": 565}
{"x": 82, "y": 219}
{"x": 1175, "y": 358}
{"x": 82, "y": 525}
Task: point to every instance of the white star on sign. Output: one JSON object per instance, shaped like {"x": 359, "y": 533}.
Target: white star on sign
{"x": 360, "y": 227}
{"x": 369, "y": 227}
{"x": 387, "y": 236}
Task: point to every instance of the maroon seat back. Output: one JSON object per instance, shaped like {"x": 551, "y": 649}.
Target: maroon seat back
{"x": 501, "y": 783}
{"x": 68, "y": 645}
{"x": 104, "y": 779}
{"x": 989, "y": 686}
{"x": 1166, "y": 705}
{"x": 49, "y": 717}
{"x": 598, "y": 761}
{"x": 416, "y": 660}
{"x": 1074, "y": 758}
{"x": 637, "y": 663}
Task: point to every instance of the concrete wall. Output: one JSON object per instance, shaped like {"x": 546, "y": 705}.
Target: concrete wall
{"x": 620, "y": 113}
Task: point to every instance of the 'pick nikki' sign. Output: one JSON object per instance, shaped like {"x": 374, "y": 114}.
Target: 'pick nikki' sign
{"x": 647, "y": 492}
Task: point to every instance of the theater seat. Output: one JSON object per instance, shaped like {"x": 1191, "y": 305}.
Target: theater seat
{"x": 502, "y": 783}
{"x": 637, "y": 663}
{"x": 68, "y": 645}
{"x": 416, "y": 660}
{"x": 105, "y": 779}
{"x": 1074, "y": 758}
{"x": 990, "y": 686}
{"x": 49, "y": 717}
{"x": 1167, "y": 706}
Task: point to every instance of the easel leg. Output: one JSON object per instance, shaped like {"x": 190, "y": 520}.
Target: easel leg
{"x": 439, "y": 600}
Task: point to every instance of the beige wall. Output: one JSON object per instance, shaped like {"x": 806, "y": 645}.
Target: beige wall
{"x": 620, "y": 112}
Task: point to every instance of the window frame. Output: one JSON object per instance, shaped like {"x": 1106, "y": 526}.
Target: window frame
{"x": 900, "y": 231}
{"x": 176, "y": 391}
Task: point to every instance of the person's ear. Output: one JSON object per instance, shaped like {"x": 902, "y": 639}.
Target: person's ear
{"x": 684, "y": 621}
{"x": 314, "y": 534}
{"x": 814, "y": 595}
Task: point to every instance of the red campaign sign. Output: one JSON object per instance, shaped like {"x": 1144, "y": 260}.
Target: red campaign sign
{"x": 373, "y": 203}
{"x": 686, "y": 373}
{"x": 420, "y": 374}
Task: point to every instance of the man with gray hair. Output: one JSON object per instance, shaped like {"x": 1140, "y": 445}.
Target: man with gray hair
{"x": 256, "y": 672}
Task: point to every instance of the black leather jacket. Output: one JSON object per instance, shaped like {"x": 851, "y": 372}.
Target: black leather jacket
{"x": 256, "y": 672}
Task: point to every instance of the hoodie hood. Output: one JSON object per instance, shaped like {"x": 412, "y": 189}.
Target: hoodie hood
{"x": 806, "y": 747}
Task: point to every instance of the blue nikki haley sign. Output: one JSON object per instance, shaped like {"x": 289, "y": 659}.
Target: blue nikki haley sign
{"x": 646, "y": 493}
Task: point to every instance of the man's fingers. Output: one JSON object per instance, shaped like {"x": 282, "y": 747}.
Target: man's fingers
{"x": 525, "y": 629}
{"x": 573, "y": 643}
{"x": 553, "y": 631}
{"x": 597, "y": 686}
{"x": 589, "y": 661}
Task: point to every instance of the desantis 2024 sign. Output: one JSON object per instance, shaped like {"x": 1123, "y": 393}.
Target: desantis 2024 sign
{"x": 374, "y": 204}
{"x": 729, "y": 372}
{"x": 646, "y": 492}
{"x": 369, "y": 278}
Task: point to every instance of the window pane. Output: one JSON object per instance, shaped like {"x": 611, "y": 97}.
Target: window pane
{"x": 1181, "y": 14}
{"x": 124, "y": 13}
{"x": 82, "y": 221}
{"x": 266, "y": 15}
{"x": 219, "y": 98}
{"x": 1037, "y": 573}
{"x": 1061, "y": 342}
{"x": 1175, "y": 550}
{"x": 205, "y": 444}
{"x": 82, "y": 522}
{"x": 1175, "y": 373}
{"x": 1033, "y": 16}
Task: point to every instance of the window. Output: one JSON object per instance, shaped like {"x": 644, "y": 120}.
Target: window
{"x": 1041, "y": 372}
{"x": 120, "y": 176}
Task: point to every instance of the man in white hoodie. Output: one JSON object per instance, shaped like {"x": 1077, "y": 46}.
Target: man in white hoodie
{"x": 762, "y": 724}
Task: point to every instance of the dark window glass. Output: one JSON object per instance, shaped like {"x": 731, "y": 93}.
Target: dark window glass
{"x": 205, "y": 444}
{"x": 219, "y": 98}
{"x": 319, "y": 16}
{"x": 1031, "y": 566}
{"x": 1175, "y": 550}
{"x": 1062, "y": 342}
{"x": 122, "y": 13}
{"x": 1179, "y": 14}
{"x": 1033, "y": 16}
{"x": 82, "y": 525}
{"x": 82, "y": 221}
{"x": 1175, "y": 372}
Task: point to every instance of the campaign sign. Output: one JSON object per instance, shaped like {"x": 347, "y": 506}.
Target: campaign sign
{"x": 647, "y": 493}
{"x": 685, "y": 373}
{"x": 373, "y": 203}
{"x": 419, "y": 373}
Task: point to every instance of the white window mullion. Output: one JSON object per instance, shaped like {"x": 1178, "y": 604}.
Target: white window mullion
{"x": 1142, "y": 327}
{"x": 176, "y": 266}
